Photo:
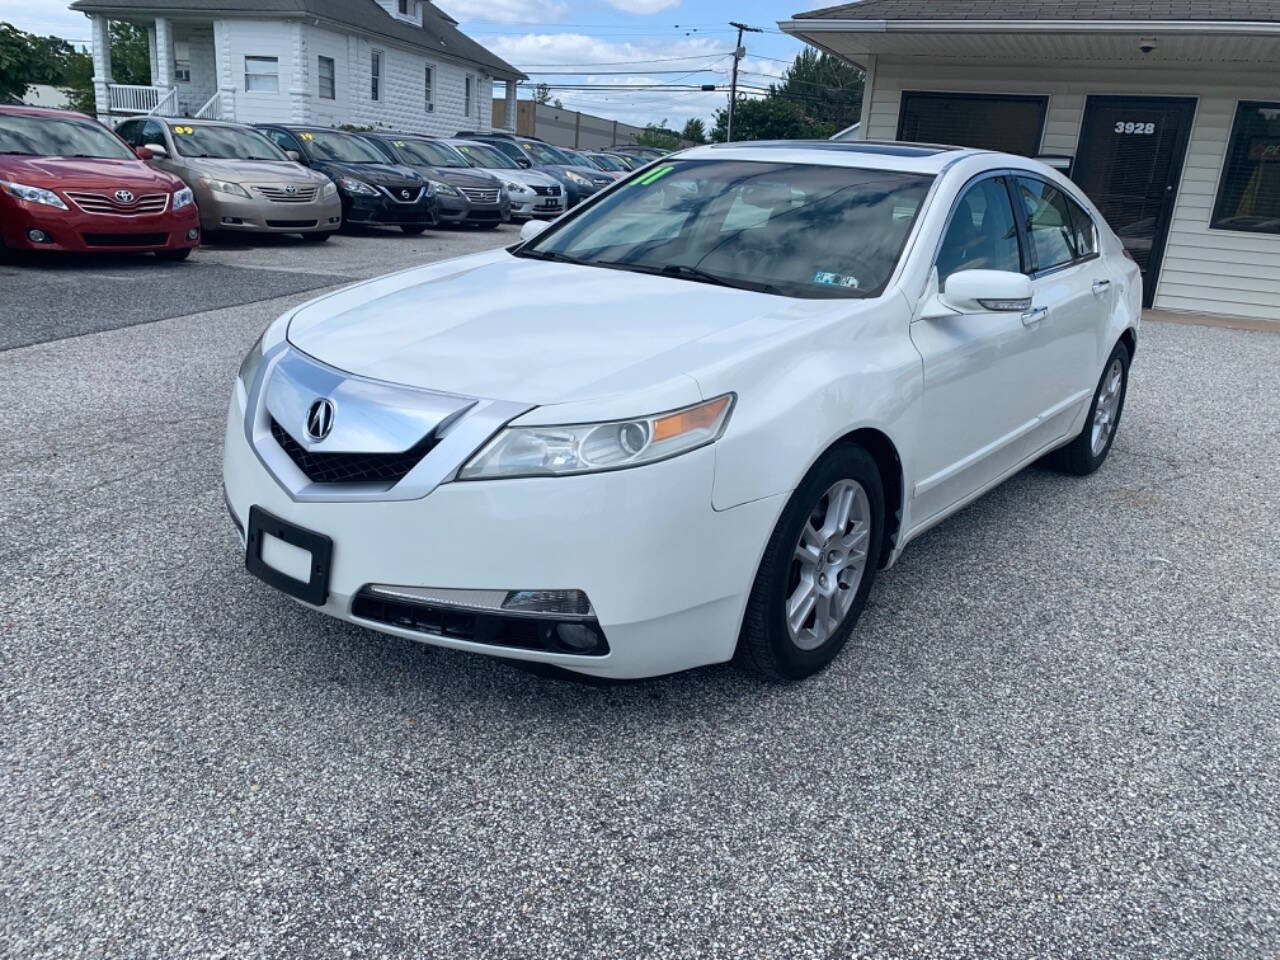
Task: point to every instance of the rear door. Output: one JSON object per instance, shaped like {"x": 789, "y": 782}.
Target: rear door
{"x": 1130, "y": 163}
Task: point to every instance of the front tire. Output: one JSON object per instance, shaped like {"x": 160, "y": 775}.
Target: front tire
{"x": 174, "y": 256}
{"x": 1087, "y": 452}
{"x": 413, "y": 231}
{"x": 817, "y": 570}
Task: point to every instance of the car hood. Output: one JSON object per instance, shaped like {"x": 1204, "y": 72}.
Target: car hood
{"x": 458, "y": 176}
{"x": 496, "y": 326}
{"x": 69, "y": 173}
{"x": 378, "y": 174}
{"x": 533, "y": 178}
{"x": 251, "y": 171}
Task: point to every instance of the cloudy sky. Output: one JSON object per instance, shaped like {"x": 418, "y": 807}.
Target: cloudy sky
{"x": 585, "y": 43}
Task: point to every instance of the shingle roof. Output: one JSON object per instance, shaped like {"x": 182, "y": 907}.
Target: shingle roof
{"x": 439, "y": 33}
{"x": 1250, "y": 11}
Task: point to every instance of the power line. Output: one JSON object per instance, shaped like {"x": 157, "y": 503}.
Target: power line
{"x": 618, "y": 63}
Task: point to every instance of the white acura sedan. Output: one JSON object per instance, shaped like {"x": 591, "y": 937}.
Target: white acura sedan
{"x": 688, "y": 422}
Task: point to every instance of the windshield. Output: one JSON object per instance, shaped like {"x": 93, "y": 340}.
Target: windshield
{"x": 542, "y": 153}
{"x": 46, "y": 136}
{"x": 341, "y": 147}
{"x": 793, "y": 229}
{"x": 479, "y": 155}
{"x": 223, "y": 143}
{"x": 606, "y": 162}
{"x": 430, "y": 154}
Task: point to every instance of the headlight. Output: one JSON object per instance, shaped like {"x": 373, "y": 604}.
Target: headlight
{"x": 32, "y": 194}
{"x": 442, "y": 188}
{"x": 577, "y": 178}
{"x": 184, "y": 198}
{"x": 352, "y": 185}
{"x": 588, "y": 447}
{"x": 328, "y": 190}
{"x": 250, "y": 364}
{"x": 219, "y": 186}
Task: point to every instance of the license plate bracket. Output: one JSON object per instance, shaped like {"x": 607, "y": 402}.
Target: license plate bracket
{"x": 316, "y": 589}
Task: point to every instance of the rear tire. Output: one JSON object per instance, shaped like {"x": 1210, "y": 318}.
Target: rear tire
{"x": 813, "y": 581}
{"x": 1088, "y": 451}
{"x": 174, "y": 256}
{"x": 413, "y": 231}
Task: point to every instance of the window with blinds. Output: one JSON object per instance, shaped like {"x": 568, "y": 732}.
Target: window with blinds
{"x": 1249, "y": 190}
{"x": 1011, "y": 124}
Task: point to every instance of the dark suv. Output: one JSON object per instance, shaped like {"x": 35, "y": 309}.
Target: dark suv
{"x": 374, "y": 192}
{"x": 464, "y": 195}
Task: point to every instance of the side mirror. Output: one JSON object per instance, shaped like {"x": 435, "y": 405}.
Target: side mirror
{"x": 531, "y": 229}
{"x": 156, "y": 151}
{"x": 294, "y": 155}
{"x": 985, "y": 291}
{"x": 524, "y": 162}
{"x": 142, "y": 153}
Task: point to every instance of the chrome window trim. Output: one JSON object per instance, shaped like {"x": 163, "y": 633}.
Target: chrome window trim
{"x": 461, "y": 433}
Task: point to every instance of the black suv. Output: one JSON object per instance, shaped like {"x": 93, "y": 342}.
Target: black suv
{"x": 464, "y": 195}
{"x": 374, "y": 192}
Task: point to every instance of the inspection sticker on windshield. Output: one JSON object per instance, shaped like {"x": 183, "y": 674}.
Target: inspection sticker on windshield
{"x": 835, "y": 279}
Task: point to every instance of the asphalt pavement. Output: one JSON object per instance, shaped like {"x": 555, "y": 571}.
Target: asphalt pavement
{"x": 1056, "y": 733}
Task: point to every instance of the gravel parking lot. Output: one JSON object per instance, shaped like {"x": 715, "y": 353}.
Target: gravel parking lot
{"x": 1057, "y": 733}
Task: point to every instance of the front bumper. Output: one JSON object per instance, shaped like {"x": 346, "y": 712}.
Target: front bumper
{"x": 75, "y": 231}
{"x": 667, "y": 575}
{"x": 382, "y": 211}
{"x": 462, "y": 210}
{"x": 219, "y": 211}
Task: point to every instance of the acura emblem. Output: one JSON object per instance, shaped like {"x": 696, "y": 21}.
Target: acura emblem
{"x": 320, "y": 419}
{"x": 406, "y": 194}
{"x": 124, "y": 196}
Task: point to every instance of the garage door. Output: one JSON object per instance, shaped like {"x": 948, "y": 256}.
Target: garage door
{"x": 1012, "y": 124}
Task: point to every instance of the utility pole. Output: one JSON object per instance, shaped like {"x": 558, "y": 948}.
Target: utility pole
{"x": 738, "y": 53}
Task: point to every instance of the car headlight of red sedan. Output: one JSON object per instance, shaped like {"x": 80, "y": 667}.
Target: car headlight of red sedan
{"x": 21, "y": 191}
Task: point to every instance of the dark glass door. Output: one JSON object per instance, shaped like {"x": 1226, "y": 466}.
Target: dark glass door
{"x": 1129, "y": 163}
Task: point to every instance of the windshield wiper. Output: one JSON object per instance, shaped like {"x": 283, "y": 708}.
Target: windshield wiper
{"x": 684, "y": 272}
{"x": 551, "y": 255}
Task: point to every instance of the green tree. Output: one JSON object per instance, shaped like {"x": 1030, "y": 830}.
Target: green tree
{"x": 26, "y": 59}
{"x": 130, "y": 53}
{"x": 817, "y": 96}
{"x": 658, "y": 135}
{"x": 694, "y": 130}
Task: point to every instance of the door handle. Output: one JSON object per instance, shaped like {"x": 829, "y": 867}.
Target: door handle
{"x": 1034, "y": 315}
{"x": 1100, "y": 286}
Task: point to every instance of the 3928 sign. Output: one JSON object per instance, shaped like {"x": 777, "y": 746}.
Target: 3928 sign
{"x": 1129, "y": 127}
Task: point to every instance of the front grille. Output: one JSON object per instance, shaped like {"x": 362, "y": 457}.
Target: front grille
{"x": 523, "y": 633}
{"x": 126, "y": 239}
{"x": 388, "y": 468}
{"x": 547, "y": 191}
{"x": 281, "y": 195}
{"x": 480, "y": 194}
{"x": 145, "y": 205}
{"x": 283, "y": 224}
{"x": 396, "y": 193}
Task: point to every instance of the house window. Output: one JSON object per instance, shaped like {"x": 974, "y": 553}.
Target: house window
{"x": 406, "y": 8}
{"x": 328, "y": 89}
{"x": 375, "y": 75}
{"x": 261, "y": 75}
{"x": 1249, "y": 191}
{"x": 469, "y": 96}
{"x": 182, "y": 62}
{"x": 429, "y": 83}
{"x": 1010, "y": 124}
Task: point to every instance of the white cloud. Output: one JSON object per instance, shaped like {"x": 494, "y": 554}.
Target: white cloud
{"x": 643, "y": 6}
{"x": 45, "y": 18}
{"x": 505, "y": 11}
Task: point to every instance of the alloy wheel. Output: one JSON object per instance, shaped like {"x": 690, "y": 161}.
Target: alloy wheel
{"x": 828, "y": 563}
{"x": 1107, "y": 409}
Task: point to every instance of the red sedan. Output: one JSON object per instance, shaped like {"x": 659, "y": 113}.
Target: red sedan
{"x": 69, "y": 184}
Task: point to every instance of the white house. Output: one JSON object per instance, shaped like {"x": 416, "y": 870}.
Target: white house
{"x": 400, "y": 64}
{"x": 1166, "y": 112}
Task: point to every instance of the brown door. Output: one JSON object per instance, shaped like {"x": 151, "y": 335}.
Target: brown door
{"x": 1130, "y": 163}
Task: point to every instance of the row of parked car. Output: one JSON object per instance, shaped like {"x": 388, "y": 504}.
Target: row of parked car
{"x": 158, "y": 184}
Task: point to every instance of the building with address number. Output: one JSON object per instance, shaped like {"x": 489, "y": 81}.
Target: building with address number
{"x": 1165, "y": 112}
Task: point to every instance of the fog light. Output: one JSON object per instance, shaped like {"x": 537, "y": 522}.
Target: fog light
{"x": 577, "y": 637}
{"x": 38, "y": 236}
{"x": 193, "y": 233}
{"x": 233, "y": 221}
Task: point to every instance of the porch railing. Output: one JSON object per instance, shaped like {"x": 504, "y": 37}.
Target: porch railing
{"x": 212, "y": 109}
{"x": 134, "y": 98}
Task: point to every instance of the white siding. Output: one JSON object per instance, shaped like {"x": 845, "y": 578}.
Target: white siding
{"x": 402, "y": 105}
{"x": 238, "y": 39}
{"x": 1210, "y": 271}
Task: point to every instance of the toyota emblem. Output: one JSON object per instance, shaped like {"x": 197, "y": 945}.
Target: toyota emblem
{"x": 405, "y": 194}
{"x": 320, "y": 419}
{"x": 290, "y": 188}
{"x": 124, "y": 196}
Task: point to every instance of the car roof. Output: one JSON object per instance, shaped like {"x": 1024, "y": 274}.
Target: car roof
{"x": 873, "y": 154}
{"x": 21, "y": 110}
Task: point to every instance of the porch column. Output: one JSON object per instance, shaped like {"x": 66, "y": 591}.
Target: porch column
{"x": 100, "y": 34}
{"x": 223, "y": 70}
{"x": 162, "y": 75}
{"x": 151, "y": 51}
{"x": 509, "y": 114}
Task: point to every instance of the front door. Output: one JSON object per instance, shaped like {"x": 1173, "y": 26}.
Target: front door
{"x": 1129, "y": 163}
